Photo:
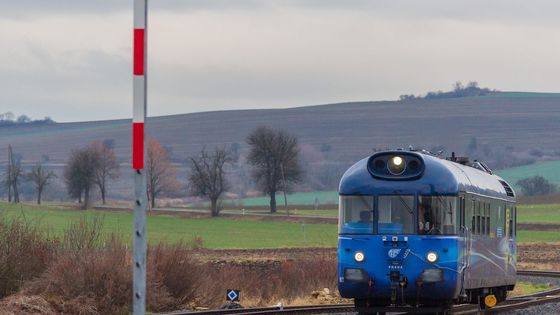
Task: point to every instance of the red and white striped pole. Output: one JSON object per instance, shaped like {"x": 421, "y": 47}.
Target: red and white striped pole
{"x": 138, "y": 150}
{"x": 139, "y": 97}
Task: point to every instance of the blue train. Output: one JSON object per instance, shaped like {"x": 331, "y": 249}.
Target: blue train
{"x": 422, "y": 231}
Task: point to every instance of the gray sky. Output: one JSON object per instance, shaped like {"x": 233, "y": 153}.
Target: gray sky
{"x": 71, "y": 59}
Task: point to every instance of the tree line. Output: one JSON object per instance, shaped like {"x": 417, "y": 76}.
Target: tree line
{"x": 274, "y": 159}
{"x": 9, "y": 119}
{"x": 459, "y": 90}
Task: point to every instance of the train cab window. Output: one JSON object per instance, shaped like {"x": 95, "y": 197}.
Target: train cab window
{"x": 356, "y": 215}
{"x": 437, "y": 215}
{"x": 395, "y": 214}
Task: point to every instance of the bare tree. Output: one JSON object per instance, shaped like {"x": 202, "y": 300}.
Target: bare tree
{"x": 160, "y": 174}
{"x": 274, "y": 156}
{"x": 207, "y": 176}
{"x": 40, "y": 178}
{"x": 13, "y": 174}
{"x": 108, "y": 167}
{"x": 79, "y": 173}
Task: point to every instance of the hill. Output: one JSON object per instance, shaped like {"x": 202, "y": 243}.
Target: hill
{"x": 504, "y": 129}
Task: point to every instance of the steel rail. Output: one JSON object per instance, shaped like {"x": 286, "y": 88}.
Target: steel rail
{"x": 513, "y": 303}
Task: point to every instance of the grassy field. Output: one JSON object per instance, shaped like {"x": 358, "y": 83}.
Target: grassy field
{"x": 332, "y": 213}
{"x": 537, "y": 236}
{"x": 215, "y": 232}
{"x": 544, "y": 213}
{"x": 548, "y": 170}
{"x": 302, "y": 198}
{"x": 238, "y": 233}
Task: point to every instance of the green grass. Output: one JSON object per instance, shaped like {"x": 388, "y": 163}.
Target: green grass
{"x": 332, "y": 213}
{"x": 524, "y": 288}
{"x": 542, "y": 213}
{"x": 236, "y": 233}
{"x": 548, "y": 170}
{"x": 303, "y": 198}
{"x": 215, "y": 232}
{"x": 537, "y": 236}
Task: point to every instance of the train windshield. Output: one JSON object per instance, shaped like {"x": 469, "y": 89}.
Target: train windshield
{"x": 437, "y": 215}
{"x": 395, "y": 214}
{"x": 356, "y": 215}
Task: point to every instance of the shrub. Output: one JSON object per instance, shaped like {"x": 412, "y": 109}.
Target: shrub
{"x": 93, "y": 275}
{"x": 173, "y": 277}
{"x": 24, "y": 254}
{"x": 536, "y": 185}
{"x": 93, "y": 281}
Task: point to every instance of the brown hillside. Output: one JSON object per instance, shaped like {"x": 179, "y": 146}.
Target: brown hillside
{"x": 351, "y": 129}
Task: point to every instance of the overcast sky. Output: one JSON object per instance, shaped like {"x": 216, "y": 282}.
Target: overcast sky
{"x": 71, "y": 59}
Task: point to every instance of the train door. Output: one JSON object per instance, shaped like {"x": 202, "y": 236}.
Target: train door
{"x": 465, "y": 239}
{"x": 508, "y": 231}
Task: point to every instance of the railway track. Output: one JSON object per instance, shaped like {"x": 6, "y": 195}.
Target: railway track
{"x": 513, "y": 303}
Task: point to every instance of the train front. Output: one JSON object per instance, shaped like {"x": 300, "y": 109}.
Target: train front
{"x": 398, "y": 223}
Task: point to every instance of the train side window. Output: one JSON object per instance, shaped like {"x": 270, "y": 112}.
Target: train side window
{"x": 478, "y": 214}
{"x": 493, "y": 218}
{"x": 511, "y": 223}
{"x": 437, "y": 215}
{"x": 515, "y": 221}
{"x": 477, "y": 224}
{"x": 500, "y": 232}
{"x": 487, "y": 219}
{"x": 472, "y": 212}
{"x": 462, "y": 217}
{"x": 482, "y": 225}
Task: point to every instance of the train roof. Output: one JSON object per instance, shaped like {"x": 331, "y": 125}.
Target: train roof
{"x": 439, "y": 177}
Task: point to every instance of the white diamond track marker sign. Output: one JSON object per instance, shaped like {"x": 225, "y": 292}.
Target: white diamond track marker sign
{"x": 232, "y": 295}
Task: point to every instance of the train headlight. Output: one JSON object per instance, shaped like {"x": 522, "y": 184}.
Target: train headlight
{"x": 396, "y": 165}
{"x": 359, "y": 257}
{"x": 431, "y": 257}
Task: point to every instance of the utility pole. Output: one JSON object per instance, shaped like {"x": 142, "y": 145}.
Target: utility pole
{"x": 138, "y": 153}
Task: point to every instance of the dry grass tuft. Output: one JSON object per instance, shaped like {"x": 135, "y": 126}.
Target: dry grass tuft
{"x": 87, "y": 273}
{"x": 21, "y": 304}
{"x": 24, "y": 254}
{"x": 88, "y": 281}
